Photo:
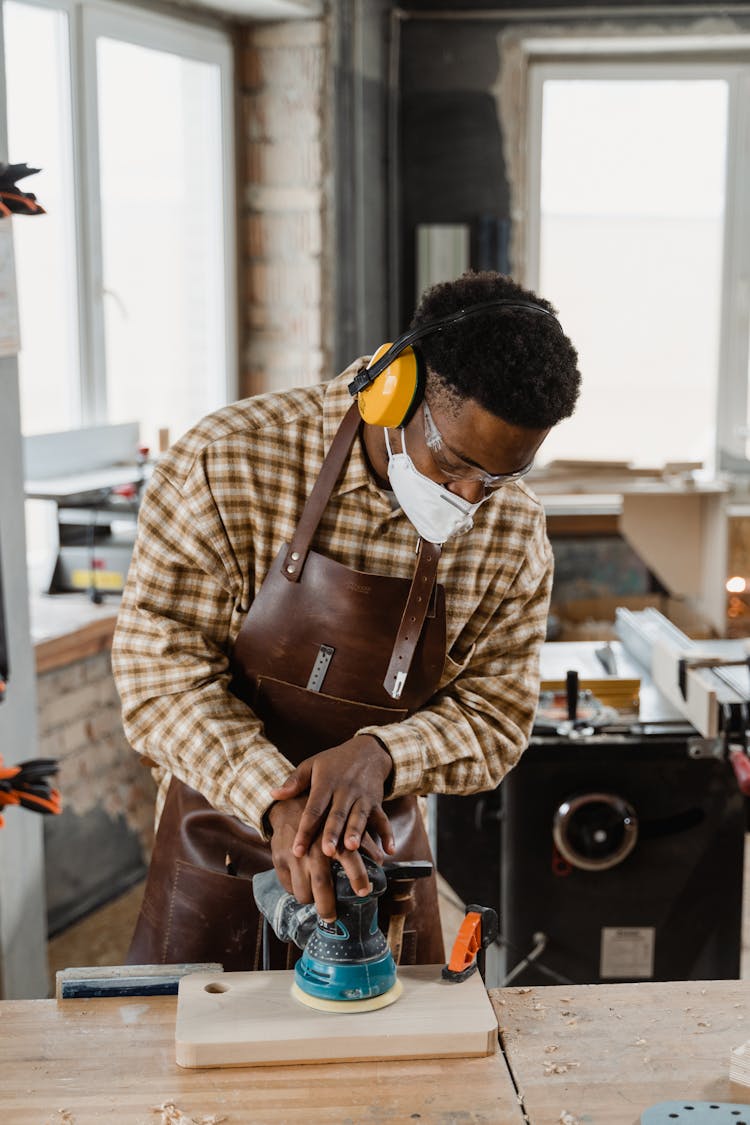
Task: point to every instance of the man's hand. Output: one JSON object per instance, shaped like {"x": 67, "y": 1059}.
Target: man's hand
{"x": 347, "y": 783}
{"x": 345, "y": 787}
{"x": 309, "y": 877}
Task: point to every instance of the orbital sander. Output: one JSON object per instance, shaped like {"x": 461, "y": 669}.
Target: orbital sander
{"x": 346, "y": 965}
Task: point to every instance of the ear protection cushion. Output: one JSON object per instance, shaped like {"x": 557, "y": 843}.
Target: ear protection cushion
{"x": 395, "y": 394}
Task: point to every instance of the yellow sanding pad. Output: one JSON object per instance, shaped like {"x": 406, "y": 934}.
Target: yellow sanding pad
{"x": 347, "y": 1006}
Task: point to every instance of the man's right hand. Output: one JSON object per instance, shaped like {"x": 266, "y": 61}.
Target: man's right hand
{"x": 309, "y": 877}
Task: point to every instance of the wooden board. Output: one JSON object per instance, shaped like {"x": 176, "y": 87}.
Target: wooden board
{"x": 603, "y": 1053}
{"x": 254, "y": 1021}
{"x": 700, "y": 707}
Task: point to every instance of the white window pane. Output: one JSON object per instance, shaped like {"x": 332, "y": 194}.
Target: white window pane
{"x": 162, "y": 230}
{"x": 632, "y": 215}
{"x": 40, "y": 134}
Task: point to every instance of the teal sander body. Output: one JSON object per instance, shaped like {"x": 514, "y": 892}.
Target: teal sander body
{"x": 348, "y": 959}
{"x": 345, "y": 964}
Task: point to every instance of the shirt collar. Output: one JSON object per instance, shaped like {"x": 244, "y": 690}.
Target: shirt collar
{"x": 336, "y": 402}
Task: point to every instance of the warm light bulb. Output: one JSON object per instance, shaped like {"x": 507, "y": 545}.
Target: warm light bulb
{"x": 736, "y": 585}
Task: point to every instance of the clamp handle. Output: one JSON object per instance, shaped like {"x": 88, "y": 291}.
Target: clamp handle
{"x": 476, "y": 932}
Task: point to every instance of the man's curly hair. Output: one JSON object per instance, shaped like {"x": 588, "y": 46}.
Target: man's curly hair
{"x": 517, "y": 364}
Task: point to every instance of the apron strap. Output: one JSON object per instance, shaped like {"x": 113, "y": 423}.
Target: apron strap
{"x": 417, "y": 606}
{"x": 422, "y": 587}
{"x": 294, "y": 560}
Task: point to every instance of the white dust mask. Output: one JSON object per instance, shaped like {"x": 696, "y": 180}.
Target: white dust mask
{"x": 437, "y": 514}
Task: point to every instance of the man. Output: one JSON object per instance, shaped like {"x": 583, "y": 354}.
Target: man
{"x": 241, "y": 572}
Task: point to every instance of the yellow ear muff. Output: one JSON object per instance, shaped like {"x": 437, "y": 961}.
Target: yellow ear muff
{"x": 389, "y": 400}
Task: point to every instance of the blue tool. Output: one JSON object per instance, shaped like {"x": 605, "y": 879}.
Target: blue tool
{"x": 697, "y": 1113}
{"x": 349, "y": 959}
{"x": 347, "y": 964}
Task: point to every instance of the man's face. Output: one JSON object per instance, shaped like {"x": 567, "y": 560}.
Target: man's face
{"x": 459, "y": 449}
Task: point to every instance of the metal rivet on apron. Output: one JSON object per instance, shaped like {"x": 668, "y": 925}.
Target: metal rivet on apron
{"x": 290, "y": 570}
{"x": 295, "y": 555}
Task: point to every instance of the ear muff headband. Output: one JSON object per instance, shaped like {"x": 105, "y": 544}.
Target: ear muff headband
{"x": 364, "y": 378}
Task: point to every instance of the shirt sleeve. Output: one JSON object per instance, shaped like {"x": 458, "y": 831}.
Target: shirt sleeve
{"x": 181, "y": 610}
{"x": 476, "y": 727}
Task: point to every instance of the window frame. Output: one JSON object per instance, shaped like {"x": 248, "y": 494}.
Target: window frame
{"x": 627, "y": 59}
{"x": 88, "y": 20}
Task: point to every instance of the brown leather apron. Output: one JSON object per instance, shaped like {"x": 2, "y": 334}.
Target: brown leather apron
{"x": 323, "y": 651}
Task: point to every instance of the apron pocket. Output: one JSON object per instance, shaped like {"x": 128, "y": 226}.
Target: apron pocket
{"x": 300, "y": 722}
{"x": 210, "y": 917}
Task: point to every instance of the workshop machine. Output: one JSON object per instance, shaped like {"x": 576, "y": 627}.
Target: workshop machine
{"x": 92, "y": 479}
{"x": 614, "y": 851}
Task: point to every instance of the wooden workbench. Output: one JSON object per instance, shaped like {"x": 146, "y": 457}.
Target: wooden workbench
{"x": 620, "y": 1048}
{"x": 113, "y": 1060}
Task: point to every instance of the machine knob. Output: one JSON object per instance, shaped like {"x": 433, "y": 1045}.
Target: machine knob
{"x": 595, "y": 831}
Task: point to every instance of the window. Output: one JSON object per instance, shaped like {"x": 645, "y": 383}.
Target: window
{"x": 638, "y": 234}
{"x": 126, "y": 286}
{"x": 40, "y": 132}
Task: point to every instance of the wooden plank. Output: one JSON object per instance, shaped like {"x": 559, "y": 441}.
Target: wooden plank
{"x": 605, "y": 1053}
{"x": 700, "y": 706}
{"x": 251, "y": 1019}
{"x": 113, "y": 1060}
{"x": 92, "y": 981}
{"x": 582, "y": 524}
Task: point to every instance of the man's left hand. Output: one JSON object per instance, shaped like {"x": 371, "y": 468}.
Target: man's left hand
{"x": 346, "y": 788}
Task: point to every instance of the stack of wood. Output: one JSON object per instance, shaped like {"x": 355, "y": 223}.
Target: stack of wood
{"x": 739, "y": 1073}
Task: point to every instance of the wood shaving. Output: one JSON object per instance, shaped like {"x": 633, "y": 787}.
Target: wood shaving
{"x": 572, "y": 1023}
{"x": 641, "y": 1042}
{"x": 537, "y": 1007}
{"x": 552, "y": 1047}
{"x": 703, "y": 1023}
{"x": 566, "y": 1118}
{"x": 558, "y": 1068}
{"x": 171, "y": 1115}
{"x": 522, "y": 991}
{"x": 65, "y": 1116}
{"x": 566, "y": 999}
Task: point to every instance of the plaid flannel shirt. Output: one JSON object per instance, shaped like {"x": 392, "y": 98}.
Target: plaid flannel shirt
{"x": 218, "y": 507}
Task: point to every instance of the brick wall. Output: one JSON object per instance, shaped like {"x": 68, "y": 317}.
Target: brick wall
{"x": 101, "y": 843}
{"x": 281, "y": 158}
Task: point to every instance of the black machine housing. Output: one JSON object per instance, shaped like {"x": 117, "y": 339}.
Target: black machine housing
{"x": 664, "y": 907}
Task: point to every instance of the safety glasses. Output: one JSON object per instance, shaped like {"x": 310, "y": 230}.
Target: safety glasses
{"x": 454, "y": 466}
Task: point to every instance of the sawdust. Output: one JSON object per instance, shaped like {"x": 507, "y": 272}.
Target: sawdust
{"x": 522, "y": 991}
{"x": 566, "y": 1118}
{"x": 641, "y": 1042}
{"x": 64, "y": 1117}
{"x": 171, "y": 1115}
{"x": 551, "y": 1048}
